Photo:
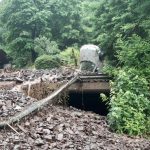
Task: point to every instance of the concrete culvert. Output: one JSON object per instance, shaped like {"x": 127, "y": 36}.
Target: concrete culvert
{"x": 89, "y": 101}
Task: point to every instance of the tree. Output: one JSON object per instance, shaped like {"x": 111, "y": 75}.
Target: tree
{"x": 44, "y": 46}
{"x": 89, "y": 9}
{"x": 120, "y": 18}
{"x": 28, "y": 20}
{"x": 25, "y": 20}
{"x": 122, "y": 29}
{"x": 65, "y": 22}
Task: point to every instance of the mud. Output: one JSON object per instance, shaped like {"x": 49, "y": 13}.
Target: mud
{"x": 58, "y": 128}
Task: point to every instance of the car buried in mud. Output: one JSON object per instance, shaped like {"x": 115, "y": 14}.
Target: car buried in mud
{"x": 91, "y": 58}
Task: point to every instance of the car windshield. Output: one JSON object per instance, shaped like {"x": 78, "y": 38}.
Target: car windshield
{"x": 87, "y": 65}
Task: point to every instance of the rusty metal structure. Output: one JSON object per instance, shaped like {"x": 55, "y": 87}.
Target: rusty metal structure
{"x": 91, "y": 83}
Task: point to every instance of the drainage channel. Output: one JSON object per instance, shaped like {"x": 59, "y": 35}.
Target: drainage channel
{"x": 89, "y": 101}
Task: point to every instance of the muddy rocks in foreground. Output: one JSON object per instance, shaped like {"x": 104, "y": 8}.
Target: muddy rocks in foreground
{"x": 61, "y": 128}
{"x": 12, "y": 102}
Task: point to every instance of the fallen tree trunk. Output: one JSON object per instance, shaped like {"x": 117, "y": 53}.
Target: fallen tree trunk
{"x": 37, "y": 105}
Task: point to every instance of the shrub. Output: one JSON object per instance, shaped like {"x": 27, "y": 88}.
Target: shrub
{"x": 130, "y": 96}
{"x": 130, "y": 105}
{"x": 47, "y": 62}
{"x": 70, "y": 57}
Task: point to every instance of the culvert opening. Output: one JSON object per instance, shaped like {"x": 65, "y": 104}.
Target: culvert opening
{"x": 89, "y": 101}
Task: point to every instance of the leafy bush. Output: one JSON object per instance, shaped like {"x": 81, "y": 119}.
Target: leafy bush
{"x": 47, "y": 62}
{"x": 130, "y": 96}
{"x": 135, "y": 52}
{"x": 130, "y": 104}
{"x": 70, "y": 57}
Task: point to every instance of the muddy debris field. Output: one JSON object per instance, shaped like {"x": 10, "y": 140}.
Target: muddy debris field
{"x": 54, "y": 127}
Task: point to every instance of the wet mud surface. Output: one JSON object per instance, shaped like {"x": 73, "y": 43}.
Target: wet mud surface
{"x": 58, "y": 128}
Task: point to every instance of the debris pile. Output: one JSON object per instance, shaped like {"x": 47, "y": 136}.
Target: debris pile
{"x": 12, "y": 102}
{"x": 41, "y": 83}
{"x": 37, "y": 84}
{"x": 54, "y": 127}
{"x": 31, "y": 75}
{"x": 60, "y": 128}
{"x": 7, "y": 85}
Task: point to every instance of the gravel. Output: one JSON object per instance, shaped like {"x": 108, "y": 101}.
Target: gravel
{"x": 55, "y": 127}
{"x": 30, "y": 75}
{"x": 36, "y": 84}
{"x": 58, "y": 128}
{"x": 12, "y": 102}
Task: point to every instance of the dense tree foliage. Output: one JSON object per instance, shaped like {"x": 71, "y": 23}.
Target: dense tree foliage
{"x": 29, "y": 21}
{"x": 120, "y": 18}
{"x": 123, "y": 32}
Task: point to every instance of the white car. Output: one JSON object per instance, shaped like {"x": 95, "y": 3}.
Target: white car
{"x": 90, "y": 58}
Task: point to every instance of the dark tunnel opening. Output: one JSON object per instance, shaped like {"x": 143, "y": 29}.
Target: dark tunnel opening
{"x": 89, "y": 101}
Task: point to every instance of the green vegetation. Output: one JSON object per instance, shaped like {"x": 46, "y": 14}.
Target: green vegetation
{"x": 120, "y": 19}
{"x": 50, "y": 32}
{"x": 47, "y": 62}
{"x": 123, "y": 31}
{"x": 70, "y": 57}
{"x": 30, "y": 28}
{"x": 130, "y": 95}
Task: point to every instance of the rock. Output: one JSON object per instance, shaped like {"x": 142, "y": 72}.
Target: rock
{"x": 45, "y": 147}
{"x": 30, "y": 141}
{"x": 1, "y": 103}
{"x": 9, "y": 103}
{"x": 48, "y": 137}
{"x": 55, "y": 127}
{"x": 69, "y": 131}
{"x": 4, "y": 108}
{"x": 46, "y": 131}
{"x": 39, "y": 142}
{"x": 49, "y": 119}
{"x": 80, "y": 128}
{"x": 27, "y": 123}
{"x": 16, "y": 140}
{"x": 16, "y": 147}
{"x": 59, "y": 137}
{"x": 17, "y": 108}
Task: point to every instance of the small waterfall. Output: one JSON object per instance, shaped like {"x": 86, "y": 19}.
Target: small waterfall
{"x": 17, "y": 88}
{"x": 29, "y": 88}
